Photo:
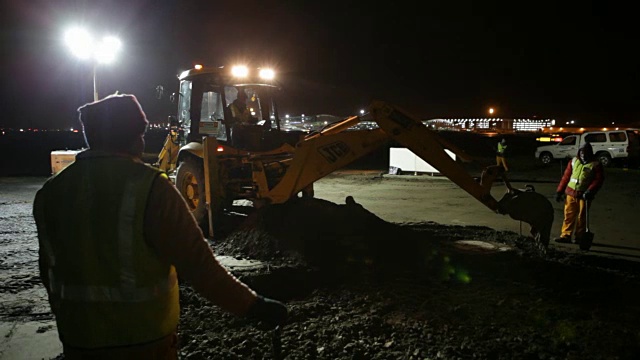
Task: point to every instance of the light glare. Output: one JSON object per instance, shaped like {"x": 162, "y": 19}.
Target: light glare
{"x": 267, "y": 74}
{"x": 82, "y": 45}
{"x": 239, "y": 71}
{"x": 107, "y": 49}
{"x": 79, "y": 42}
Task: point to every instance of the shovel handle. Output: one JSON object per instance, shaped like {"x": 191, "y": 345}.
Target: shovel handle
{"x": 587, "y": 241}
{"x": 276, "y": 342}
{"x": 586, "y": 212}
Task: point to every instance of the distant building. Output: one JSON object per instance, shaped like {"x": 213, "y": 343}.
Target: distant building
{"x": 501, "y": 125}
{"x": 490, "y": 124}
{"x": 308, "y": 122}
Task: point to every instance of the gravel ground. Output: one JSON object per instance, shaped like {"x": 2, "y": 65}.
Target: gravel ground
{"x": 361, "y": 288}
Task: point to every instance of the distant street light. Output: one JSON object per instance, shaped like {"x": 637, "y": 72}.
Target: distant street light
{"x": 81, "y": 44}
{"x": 491, "y": 111}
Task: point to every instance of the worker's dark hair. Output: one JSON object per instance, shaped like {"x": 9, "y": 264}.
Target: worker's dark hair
{"x": 113, "y": 123}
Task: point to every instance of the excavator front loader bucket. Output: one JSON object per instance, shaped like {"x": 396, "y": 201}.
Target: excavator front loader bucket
{"x": 531, "y": 207}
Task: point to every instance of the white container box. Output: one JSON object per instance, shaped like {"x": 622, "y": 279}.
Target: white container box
{"x": 60, "y": 159}
{"x": 403, "y": 160}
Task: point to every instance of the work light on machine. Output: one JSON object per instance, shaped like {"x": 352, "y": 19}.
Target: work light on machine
{"x": 239, "y": 71}
{"x": 267, "y": 74}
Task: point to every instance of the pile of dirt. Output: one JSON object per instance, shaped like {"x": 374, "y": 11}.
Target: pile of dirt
{"x": 360, "y": 288}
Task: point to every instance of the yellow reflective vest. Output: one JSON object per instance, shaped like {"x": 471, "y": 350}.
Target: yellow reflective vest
{"x": 501, "y": 149}
{"x": 106, "y": 286}
{"x": 582, "y": 175}
{"x": 241, "y": 115}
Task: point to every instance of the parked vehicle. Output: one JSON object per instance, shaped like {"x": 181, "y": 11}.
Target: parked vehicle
{"x": 634, "y": 147}
{"x": 607, "y": 146}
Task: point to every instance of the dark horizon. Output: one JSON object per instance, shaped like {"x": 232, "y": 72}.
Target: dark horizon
{"x": 545, "y": 59}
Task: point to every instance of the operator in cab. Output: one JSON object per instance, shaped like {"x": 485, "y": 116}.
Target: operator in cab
{"x": 245, "y": 134}
{"x": 239, "y": 111}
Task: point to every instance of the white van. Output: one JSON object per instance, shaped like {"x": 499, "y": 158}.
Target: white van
{"x": 607, "y": 146}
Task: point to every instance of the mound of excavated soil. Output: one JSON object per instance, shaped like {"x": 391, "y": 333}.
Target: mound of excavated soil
{"x": 360, "y": 288}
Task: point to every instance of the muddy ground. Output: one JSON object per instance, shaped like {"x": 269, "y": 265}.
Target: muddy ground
{"x": 360, "y": 287}
{"x": 363, "y": 288}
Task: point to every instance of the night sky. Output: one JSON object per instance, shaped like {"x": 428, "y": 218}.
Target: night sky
{"x": 549, "y": 59}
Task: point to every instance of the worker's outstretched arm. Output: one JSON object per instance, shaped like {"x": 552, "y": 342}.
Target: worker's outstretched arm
{"x": 172, "y": 231}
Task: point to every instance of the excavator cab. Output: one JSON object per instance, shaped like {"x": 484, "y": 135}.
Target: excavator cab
{"x": 206, "y": 95}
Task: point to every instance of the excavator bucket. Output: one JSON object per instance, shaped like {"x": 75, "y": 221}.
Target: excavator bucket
{"x": 531, "y": 207}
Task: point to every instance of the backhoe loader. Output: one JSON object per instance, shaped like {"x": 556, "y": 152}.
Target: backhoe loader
{"x": 268, "y": 162}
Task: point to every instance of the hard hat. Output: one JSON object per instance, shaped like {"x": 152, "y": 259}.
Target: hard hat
{"x": 504, "y": 141}
{"x": 114, "y": 121}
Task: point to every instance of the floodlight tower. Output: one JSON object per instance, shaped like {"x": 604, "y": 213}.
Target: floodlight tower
{"x": 82, "y": 45}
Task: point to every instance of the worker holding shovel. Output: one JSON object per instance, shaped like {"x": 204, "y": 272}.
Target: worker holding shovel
{"x": 582, "y": 179}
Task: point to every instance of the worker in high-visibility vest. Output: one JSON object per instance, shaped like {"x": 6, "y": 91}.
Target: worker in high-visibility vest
{"x": 501, "y": 156}
{"x": 239, "y": 111}
{"x": 582, "y": 179}
{"x": 113, "y": 235}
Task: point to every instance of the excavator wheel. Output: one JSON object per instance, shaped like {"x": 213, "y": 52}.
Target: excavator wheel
{"x": 190, "y": 184}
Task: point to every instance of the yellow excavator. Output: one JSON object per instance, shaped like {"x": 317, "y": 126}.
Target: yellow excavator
{"x": 270, "y": 160}
{"x": 168, "y": 155}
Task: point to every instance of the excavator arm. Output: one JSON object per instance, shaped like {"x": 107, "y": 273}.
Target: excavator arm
{"x": 332, "y": 148}
{"x": 321, "y": 154}
{"x": 430, "y": 147}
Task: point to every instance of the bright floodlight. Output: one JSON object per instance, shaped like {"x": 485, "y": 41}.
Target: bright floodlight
{"x": 239, "y": 71}
{"x": 106, "y": 50}
{"x": 267, "y": 74}
{"x": 79, "y": 42}
{"x": 83, "y": 46}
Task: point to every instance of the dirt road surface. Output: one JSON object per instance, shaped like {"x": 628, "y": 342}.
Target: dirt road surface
{"x": 417, "y": 270}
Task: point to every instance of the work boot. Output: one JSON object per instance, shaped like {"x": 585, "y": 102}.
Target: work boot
{"x": 563, "y": 240}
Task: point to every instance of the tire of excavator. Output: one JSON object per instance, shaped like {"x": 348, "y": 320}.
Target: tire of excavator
{"x": 189, "y": 171}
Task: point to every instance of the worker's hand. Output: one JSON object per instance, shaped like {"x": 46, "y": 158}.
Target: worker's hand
{"x": 559, "y": 197}
{"x": 588, "y": 195}
{"x": 270, "y": 311}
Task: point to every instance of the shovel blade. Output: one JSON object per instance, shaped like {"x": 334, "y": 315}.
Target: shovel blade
{"x": 586, "y": 241}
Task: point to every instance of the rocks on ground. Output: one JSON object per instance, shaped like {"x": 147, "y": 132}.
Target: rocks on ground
{"x": 360, "y": 288}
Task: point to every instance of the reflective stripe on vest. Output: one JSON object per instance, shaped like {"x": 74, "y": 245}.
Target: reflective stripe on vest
{"x": 112, "y": 294}
{"x": 48, "y": 251}
{"x": 45, "y": 245}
